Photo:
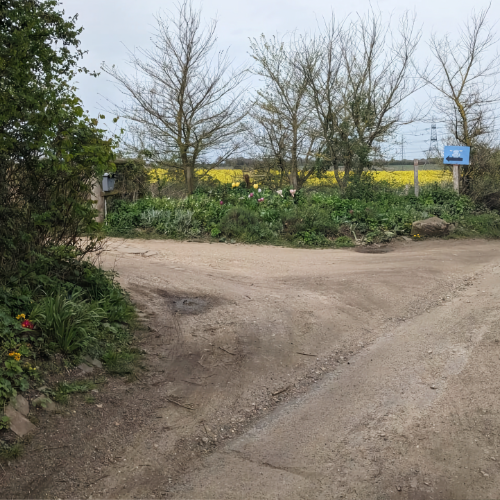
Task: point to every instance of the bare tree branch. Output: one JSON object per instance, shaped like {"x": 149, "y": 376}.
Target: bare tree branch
{"x": 465, "y": 79}
{"x": 282, "y": 112}
{"x": 184, "y": 101}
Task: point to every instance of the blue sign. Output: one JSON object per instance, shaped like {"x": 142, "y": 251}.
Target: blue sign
{"x": 456, "y": 155}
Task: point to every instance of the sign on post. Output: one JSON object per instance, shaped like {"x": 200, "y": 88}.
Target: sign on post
{"x": 456, "y": 156}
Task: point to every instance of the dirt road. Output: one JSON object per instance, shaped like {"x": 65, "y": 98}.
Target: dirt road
{"x": 294, "y": 374}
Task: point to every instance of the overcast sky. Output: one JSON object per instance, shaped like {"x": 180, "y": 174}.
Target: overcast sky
{"x": 111, "y": 26}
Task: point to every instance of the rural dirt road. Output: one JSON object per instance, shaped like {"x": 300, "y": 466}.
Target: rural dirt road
{"x": 278, "y": 373}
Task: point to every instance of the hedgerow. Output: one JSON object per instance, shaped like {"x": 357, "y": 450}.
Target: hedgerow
{"x": 368, "y": 209}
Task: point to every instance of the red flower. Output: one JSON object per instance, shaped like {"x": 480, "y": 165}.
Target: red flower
{"x": 27, "y": 324}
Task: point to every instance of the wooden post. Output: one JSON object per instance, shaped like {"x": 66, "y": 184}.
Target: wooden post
{"x": 456, "y": 178}
{"x": 415, "y": 177}
{"x": 96, "y": 196}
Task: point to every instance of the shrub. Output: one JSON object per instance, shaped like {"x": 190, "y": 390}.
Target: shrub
{"x": 238, "y": 221}
{"x": 308, "y": 217}
{"x": 50, "y": 151}
{"x": 343, "y": 242}
{"x": 155, "y": 218}
{"x": 51, "y": 154}
{"x": 374, "y": 210}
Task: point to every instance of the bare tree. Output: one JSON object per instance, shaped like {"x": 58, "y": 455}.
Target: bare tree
{"x": 379, "y": 68}
{"x": 465, "y": 78}
{"x": 282, "y": 109}
{"x": 359, "y": 75}
{"x": 321, "y": 64}
{"x": 184, "y": 100}
{"x": 270, "y": 139}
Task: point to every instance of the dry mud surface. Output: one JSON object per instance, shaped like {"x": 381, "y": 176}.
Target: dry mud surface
{"x": 278, "y": 373}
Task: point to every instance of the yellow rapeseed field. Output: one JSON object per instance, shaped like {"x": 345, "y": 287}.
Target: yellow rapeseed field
{"x": 396, "y": 178}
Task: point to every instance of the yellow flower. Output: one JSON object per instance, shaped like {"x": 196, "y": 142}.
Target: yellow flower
{"x": 255, "y": 186}
{"x": 15, "y": 355}
{"x": 21, "y": 316}
{"x": 237, "y": 184}
{"x": 233, "y": 184}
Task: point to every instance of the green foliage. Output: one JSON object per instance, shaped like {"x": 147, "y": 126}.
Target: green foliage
{"x": 343, "y": 242}
{"x": 65, "y": 389}
{"x": 237, "y": 221}
{"x": 4, "y": 422}
{"x": 76, "y": 309}
{"x": 120, "y": 362}
{"x": 487, "y": 224}
{"x": 481, "y": 179}
{"x": 132, "y": 178}
{"x": 51, "y": 154}
{"x": 372, "y": 210}
{"x": 10, "y": 452}
{"x": 13, "y": 378}
{"x": 50, "y": 151}
{"x": 67, "y": 321}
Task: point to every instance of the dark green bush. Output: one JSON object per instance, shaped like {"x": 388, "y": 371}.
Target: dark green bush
{"x": 238, "y": 221}
{"x": 307, "y": 217}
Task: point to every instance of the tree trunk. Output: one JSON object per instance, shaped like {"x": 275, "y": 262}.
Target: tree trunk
{"x": 189, "y": 172}
{"x": 293, "y": 176}
{"x": 293, "y": 169}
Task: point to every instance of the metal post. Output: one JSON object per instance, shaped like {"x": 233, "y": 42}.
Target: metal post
{"x": 456, "y": 178}
{"x": 415, "y": 177}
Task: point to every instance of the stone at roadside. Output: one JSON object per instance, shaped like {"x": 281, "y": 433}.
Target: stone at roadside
{"x": 45, "y": 403}
{"x": 94, "y": 362}
{"x": 85, "y": 368}
{"x": 21, "y": 405}
{"x": 18, "y": 424}
{"x": 406, "y": 238}
{"x": 434, "y": 226}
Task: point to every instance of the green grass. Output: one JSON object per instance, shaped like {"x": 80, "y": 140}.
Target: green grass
{"x": 122, "y": 362}
{"x": 63, "y": 390}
